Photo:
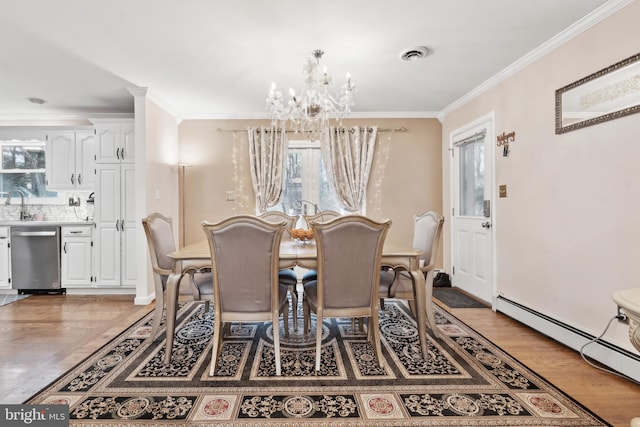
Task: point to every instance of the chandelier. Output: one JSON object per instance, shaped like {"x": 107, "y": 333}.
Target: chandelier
{"x": 311, "y": 110}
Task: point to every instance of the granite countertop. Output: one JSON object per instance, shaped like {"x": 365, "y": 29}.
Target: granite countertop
{"x": 27, "y": 223}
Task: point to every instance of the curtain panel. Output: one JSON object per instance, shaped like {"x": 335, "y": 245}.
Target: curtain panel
{"x": 348, "y": 156}
{"x": 267, "y": 156}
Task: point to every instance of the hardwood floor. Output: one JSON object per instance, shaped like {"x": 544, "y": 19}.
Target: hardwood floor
{"x": 43, "y": 336}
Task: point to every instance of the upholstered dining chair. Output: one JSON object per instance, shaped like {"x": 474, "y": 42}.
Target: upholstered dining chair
{"x": 159, "y": 231}
{"x": 244, "y": 255}
{"x": 321, "y": 216}
{"x": 427, "y": 229}
{"x": 349, "y": 257}
{"x": 287, "y": 276}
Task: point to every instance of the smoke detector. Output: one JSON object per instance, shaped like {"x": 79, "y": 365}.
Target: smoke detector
{"x": 415, "y": 53}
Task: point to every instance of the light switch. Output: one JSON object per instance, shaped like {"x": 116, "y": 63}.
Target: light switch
{"x": 503, "y": 191}
{"x": 157, "y": 194}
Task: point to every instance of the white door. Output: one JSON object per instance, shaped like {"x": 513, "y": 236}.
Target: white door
{"x": 472, "y": 208}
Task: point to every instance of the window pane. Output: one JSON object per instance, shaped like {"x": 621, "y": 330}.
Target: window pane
{"x": 32, "y": 184}
{"x": 472, "y": 178}
{"x": 23, "y": 169}
{"x": 306, "y": 188}
{"x": 22, "y": 157}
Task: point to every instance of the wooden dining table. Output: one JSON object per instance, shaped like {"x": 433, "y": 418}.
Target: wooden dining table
{"x": 395, "y": 255}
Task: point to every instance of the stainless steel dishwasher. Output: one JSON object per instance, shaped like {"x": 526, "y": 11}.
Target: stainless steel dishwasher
{"x": 35, "y": 258}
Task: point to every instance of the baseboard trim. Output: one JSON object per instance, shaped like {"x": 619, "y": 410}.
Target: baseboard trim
{"x": 610, "y": 355}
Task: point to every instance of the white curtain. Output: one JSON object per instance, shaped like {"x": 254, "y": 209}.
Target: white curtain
{"x": 348, "y": 155}
{"x": 267, "y": 154}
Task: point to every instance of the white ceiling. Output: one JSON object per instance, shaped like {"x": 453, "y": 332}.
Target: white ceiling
{"x": 217, "y": 58}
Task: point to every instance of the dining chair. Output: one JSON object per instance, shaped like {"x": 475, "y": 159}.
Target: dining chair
{"x": 287, "y": 276}
{"x": 349, "y": 256}
{"x": 427, "y": 229}
{"x": 244, "y": 253}
{"x": 159, "y": 231}
{"x": 321, "y": 216}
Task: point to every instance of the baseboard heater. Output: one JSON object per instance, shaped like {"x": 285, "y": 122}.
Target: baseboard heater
{"x": 612, "y": 356}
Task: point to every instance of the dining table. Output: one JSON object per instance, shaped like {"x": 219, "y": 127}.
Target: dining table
{"x": 395, "y": 255}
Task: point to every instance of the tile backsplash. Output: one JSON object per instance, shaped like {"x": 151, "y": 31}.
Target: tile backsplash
{"x": 51, "y": 212}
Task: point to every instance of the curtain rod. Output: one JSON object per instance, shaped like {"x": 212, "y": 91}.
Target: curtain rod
{"x": 400, "y": 129}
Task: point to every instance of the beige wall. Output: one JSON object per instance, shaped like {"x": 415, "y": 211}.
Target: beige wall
{"x": 567, "y": 234}
{"x": 405, "y": 178}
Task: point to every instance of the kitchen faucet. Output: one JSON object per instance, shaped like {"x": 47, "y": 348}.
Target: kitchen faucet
{"x": 23, "y": 211}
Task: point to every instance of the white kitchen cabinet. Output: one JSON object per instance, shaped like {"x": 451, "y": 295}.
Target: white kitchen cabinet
{"x": 115, "y": 142}
{"x": 70, "y": 160}
{"x": 5, "y": 260}
{"x": 115, "y": 225}
{"x": 76, "y": 256}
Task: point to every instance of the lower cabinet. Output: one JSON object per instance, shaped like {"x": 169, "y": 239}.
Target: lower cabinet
{"x": 77, "y": 256}
{"x": 5, "y": 260}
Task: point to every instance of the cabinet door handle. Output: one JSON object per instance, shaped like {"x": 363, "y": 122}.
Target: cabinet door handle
{"x": 65, "y": 247}
{"x": 122, "y": 153}
{"x": 118, "y": 153}
{"x": 117, "y": 222}
{"x": 79, "y": 179}
{"x": 73, "y": 179}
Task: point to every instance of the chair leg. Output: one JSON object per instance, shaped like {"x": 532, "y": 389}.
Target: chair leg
{"x": 157, "y": 316}
{"x": 217, "y": 343}
{"x": 382, "y": 304}
{"x": 306, "y": 317}
{"x": 206, "y": 306}
{"x": 374, "y": 329}
{"x": 286, "y": 319}
{"x": 412, "y": 306}
{"x": 276, "y": 339}
{"x": 318, "y": 338}
{"x": 294, "y": 302}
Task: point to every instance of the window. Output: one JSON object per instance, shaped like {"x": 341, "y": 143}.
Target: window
{"x": 23, "y": 169}
{"x": 472, "y": 178}
{"x": 306, "y": 188}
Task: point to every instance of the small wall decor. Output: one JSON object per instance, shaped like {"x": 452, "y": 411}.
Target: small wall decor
{"x": 503, "y": 141}
{"x": 608, "y": 94}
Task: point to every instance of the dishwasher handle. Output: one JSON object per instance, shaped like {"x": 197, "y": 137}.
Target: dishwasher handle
{"x": 35, "y": 233}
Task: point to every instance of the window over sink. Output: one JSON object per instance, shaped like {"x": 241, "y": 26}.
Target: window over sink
{"x": 22, "y": 168}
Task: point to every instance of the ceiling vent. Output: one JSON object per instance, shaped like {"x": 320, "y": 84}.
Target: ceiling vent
{"x": 414, "y": 53}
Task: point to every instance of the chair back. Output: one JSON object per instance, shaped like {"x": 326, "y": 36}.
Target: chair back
{"x": 159, "y": 231}
{"x": 244, "y": 254}
{"x": 322, "y": 216}
{"x": 349, "y": 257}
{"x": 426, "y": 235}
{"x": 277, "y": 217}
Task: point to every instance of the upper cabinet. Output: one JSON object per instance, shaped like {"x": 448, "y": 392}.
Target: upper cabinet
{"x": 115, "y": 142}
{"x": 70, "y": 160}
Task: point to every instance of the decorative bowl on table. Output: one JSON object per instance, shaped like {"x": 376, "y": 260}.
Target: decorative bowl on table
{"x": 301, "y": 236}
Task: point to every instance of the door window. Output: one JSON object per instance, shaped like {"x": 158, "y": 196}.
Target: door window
{"x": 472, "y": 177}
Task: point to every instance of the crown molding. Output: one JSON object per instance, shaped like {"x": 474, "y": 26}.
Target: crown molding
{"x": 353, "y": 115}
{"x": 580, "y": 26}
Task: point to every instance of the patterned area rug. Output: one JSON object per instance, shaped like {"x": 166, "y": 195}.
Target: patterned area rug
{"x": 466, "y": 381}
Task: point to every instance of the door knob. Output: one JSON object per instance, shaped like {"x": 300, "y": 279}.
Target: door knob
{"x": 486, "y": 224}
